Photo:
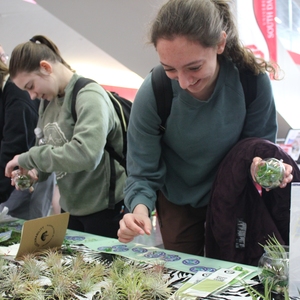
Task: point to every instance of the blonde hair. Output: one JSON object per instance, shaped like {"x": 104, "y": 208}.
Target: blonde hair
{"x": 3, "y": 72}
{"x": 26, "y": 57}
{"x": 203, "y": 21}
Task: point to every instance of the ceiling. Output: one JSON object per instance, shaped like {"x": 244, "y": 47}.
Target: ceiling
{"x": 85, "y": 31}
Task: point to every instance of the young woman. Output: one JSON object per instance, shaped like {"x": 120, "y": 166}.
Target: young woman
{"x": 74, "y": 151}
{"x": 198, "y": 46}
{"x": 18, "y": 118}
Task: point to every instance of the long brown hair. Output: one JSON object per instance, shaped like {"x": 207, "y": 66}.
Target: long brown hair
{"x": 26, "y": 57}
{"x": 203, "y": 21}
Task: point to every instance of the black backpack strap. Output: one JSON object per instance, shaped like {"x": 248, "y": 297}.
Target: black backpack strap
{"x": 249, "y": 83}
{"x": 162, "y": 88}
{"x": 80, "y": 83}
{"x": 119, "y": 110}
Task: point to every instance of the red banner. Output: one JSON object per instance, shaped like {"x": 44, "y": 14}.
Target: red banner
{"x": 265, "y": 13}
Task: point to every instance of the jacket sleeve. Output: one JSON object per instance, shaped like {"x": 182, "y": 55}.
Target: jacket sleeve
{"x": 261, "y": 114}
{"x": 144, "y": 165}
{"x": 84, "y": 149}
{"x": 20, "y": 119}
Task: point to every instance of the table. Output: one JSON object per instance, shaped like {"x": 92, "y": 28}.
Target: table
{"x": 185, "y": 264}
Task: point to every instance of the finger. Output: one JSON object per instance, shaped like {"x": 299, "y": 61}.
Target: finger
{"x": 146, "y": 229}
{"x": 125, "y": 235}
{"x": 9, "y": 169}
{"x": 33, "y": 175}
{"x": 12, "y": 181}
{"x": 123, "y": 240}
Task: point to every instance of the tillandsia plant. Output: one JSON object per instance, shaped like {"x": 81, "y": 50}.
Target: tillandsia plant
{"x": 273, "y": 267}
{"x": 269, "y": 173}
{"x": 23, "y": 182}
{"x": 133, "y": 282}
{"x": 50, "y": 275}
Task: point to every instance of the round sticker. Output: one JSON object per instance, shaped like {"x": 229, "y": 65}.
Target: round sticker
{"x": 139, "y": 250}
{"x": 191, "y": 262}
{"x": 155, "y": 254}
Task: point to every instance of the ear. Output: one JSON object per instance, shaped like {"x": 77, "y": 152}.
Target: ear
{"x": 222, "y": 43}
{"x": 45, "y": 67}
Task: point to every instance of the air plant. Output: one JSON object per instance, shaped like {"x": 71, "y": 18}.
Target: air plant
{"x": 33, "y": 290}
{"x": 273, "y": 271}
{"x": 49, "y": 275}
{"x": 13, "y": 281}
{"x": 133, "y": 282}
{"x": 269, "y": 173}
{"x": 31, "y": 267}
{"x": 274, "y": 266}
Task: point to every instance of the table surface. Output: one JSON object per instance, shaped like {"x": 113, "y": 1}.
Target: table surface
{"x": 173, "y": 260}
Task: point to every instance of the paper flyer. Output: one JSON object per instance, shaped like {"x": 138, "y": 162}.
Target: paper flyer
{"x": 203, "y": 283}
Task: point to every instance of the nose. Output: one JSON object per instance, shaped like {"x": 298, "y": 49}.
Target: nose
{"x": 184, "y": 80}
{"x": 32, "y": 95}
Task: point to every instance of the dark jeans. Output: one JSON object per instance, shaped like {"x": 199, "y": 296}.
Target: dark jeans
{"x": 182, "y": 227}
{"x": 104, "y": 223}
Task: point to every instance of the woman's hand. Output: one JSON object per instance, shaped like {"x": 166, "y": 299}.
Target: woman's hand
{"x": 10, "y": 166}
{"x": 134, "y": 224}
{"x": 288, "y": 169}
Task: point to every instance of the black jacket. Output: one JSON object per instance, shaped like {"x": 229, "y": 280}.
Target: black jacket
{"x": 238, "y": 218}
{"x": 18, "y": 118}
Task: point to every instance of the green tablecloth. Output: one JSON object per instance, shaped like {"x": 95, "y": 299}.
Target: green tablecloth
{"x": 174, "y": 260}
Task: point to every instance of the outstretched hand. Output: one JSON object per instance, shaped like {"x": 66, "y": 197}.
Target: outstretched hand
{"x": 134, "y": 224}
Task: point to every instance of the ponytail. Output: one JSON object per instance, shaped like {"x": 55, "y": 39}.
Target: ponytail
{"x": 203, "y": 21}
{"x": 26, "y": 57}
{"x": 242, "y": 56}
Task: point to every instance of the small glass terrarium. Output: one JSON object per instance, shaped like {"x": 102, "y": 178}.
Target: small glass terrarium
{"x": 269, "y": 173}
{"x": 273, "y": 268}
{"x": 23, "y": 181}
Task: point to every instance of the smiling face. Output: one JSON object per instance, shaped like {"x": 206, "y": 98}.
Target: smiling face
{"x": 195, "y": 67}
{"x": 40, "y": 84}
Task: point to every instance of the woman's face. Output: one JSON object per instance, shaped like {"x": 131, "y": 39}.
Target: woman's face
{"x": 40, "y": 84}
{"x": 195, "y": 67}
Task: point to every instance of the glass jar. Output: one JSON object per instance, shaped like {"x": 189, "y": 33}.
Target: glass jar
{"x": 23, "y": 182}
{"x": 269, "y": 173}
{"x": 273, "y": 268}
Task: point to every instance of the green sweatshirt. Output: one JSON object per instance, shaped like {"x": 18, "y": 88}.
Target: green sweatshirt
{"x": 75, "y": 152}
{"x": 184, "y": 160}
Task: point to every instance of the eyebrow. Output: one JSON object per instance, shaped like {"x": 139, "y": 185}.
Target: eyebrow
{"x": 187, "y": 65}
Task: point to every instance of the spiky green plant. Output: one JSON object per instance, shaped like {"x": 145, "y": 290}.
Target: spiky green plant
{"x": 274, "y": 266}
{"x": 31, "y": 267}
{"x": 13, "y": 282}
{"x": 133, "y": 282}
{"x": 32, "y": 290}
{"x": 62, "y": 287}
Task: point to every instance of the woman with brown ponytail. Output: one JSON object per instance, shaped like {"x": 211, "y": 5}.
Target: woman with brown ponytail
{"x": 73, "y": 150}
{"x": 199, "y": 48}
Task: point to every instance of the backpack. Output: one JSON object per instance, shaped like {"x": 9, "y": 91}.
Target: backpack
{"x": 122, "y": 107}
{"x": 162, "y": 88}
